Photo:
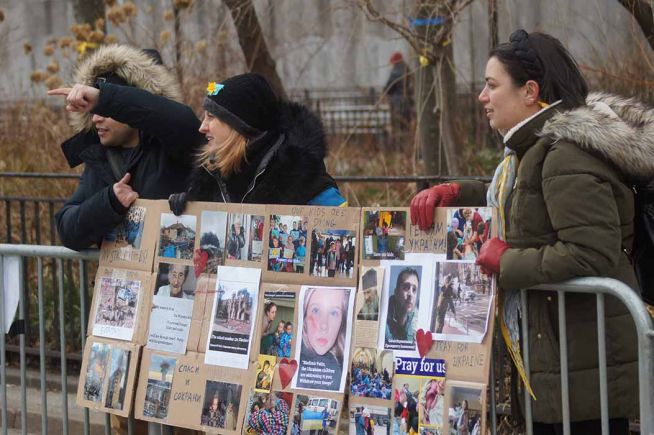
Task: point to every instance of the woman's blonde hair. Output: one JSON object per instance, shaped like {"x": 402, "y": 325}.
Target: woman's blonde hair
{"x": 339, "y": 345}
{"x": 227, "y": 157}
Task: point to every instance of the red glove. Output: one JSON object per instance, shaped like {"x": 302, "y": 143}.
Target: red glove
{"x": 490, "y": 254}
{"x": 422, "y": 205}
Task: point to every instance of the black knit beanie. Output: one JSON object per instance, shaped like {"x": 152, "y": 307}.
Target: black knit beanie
{"x": 245, "y": 102}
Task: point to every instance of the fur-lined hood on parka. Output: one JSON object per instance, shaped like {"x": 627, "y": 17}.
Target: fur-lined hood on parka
{"x": 620, "y": 130}
{"x": 133, "y": 65}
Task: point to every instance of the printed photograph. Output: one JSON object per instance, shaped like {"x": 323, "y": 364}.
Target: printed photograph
{"x": 370, "y": 289}
{"x": 371, "y": 374}
{"x": 467, "y": 230}
{"x": 315, "y": 415}
{"x": 177, "y": 236}
{"x": 118, "y": 300}
{"x": 370, "y": 420}
{"x": 265, "y": 372}
{"x": 462, "y": 302}
{"x": 267, "y": 413}
{"x": 332, "y": 253}
{"x": 221, "y": 404}
{"x": 245, "y": 237}
{"x": 432, "y": 399}
{"x": 231, "y": 329}
{"x": 117, "y": 378}
{"x": 234, "y": 309}
{"x": 287, "y": 244}
{"x": 277, "y": 329}
{"x": 465, "y": 411}
{"x": 405, "y": 415}
{"x": 211, "y": 253}
{"x": 326, "y": 330}
{"x": 130, "y": 231}
{"x": 402, "y": 311}
{"x": 175, "y": 281}
{"x": 160, "y": 384}
{"x": 95, "y": 371}
{"x": 383, "y": 235}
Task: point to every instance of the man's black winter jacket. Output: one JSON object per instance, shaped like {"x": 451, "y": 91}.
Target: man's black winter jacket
{"x": 159, "y": 166}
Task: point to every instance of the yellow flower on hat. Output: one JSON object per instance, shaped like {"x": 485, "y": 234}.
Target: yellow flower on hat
{"x": 213, "y": 88}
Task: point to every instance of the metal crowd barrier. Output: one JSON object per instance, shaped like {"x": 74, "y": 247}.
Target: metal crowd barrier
{"x": 598, "y": 286}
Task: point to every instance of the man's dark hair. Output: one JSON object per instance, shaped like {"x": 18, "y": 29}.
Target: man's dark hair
{"x": 405, "y": 273}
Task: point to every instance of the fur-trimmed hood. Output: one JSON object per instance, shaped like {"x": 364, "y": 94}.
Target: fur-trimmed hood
{"x": 621, "y": 130}
{"x": 133, "y": 65}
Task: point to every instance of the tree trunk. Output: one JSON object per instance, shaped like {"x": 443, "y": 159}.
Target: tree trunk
{"x": 446, "y": 100}
{"x": 493, "y": 34}
{"x": 427, "y": 131}
{"x": 436, "y": 106}
{"x": 642, "y": 13}
{"x": 87, "y": 11}
{"x": 253, "y": 43}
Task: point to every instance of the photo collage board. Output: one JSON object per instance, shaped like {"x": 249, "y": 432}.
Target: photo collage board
{"x": 250, "y": 318}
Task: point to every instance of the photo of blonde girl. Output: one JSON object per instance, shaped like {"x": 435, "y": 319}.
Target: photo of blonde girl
{"x": 325, "y": 327}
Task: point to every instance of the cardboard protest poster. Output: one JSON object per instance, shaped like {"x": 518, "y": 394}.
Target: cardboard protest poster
{"x": 180, "y": 390}
{"x": 205, "y": 291}
{"x": 325, "y": 327}
{"x": 363, "y": 416}
{"x": 131, "y": 244}
{"x": 267, "y": 413}
{"x": 432, "y": 241}
{"x": 366, "y": 307}
{"x": 466, "y": 405}
{"x": 232, "y": 321}
{"x": 108, "y": 376}
{"x": 419, "y": 388}
{"x": 464, "y": 342}
{"x": 121, "y": 300}
{"x": 317, "y": 412}
{"x": 246, "y": 235}
{"x": 406, "y": 301}
{"x": 311, "y": 245}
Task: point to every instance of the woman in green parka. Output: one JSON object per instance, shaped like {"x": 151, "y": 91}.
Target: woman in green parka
{"x": 566, "y": 210}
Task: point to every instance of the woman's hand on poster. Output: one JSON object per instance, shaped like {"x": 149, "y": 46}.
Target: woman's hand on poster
{"x": 490, "y": 255}
{"x": 79, "y": 98}
{"x": 422, "y": 205}
{"x": 124, "y": 192}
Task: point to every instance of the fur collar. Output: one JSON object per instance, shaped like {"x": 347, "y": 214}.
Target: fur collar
{"x": 620, "y": 130}
{"x": 133, "y": 65}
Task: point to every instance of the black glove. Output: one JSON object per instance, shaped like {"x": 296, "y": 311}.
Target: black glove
{"x": 177, "y": 202}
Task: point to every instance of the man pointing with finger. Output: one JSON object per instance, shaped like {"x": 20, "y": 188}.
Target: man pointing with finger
{"x": 134, "y": 137}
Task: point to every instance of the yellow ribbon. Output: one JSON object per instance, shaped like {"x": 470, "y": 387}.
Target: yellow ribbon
{"x": 82, "y": 46}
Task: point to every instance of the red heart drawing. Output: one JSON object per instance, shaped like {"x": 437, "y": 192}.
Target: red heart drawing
{"x": 424, "y": 341}
{"x": 287, "y": 369}
{"x": 200, "y": 260}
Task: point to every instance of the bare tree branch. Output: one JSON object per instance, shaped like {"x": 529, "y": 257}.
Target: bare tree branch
{"x": 253, "y": 43}
{"x": 642, "y": 13}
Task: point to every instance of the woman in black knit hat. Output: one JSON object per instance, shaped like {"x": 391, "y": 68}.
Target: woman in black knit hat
{"x": 259, "y": 150}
